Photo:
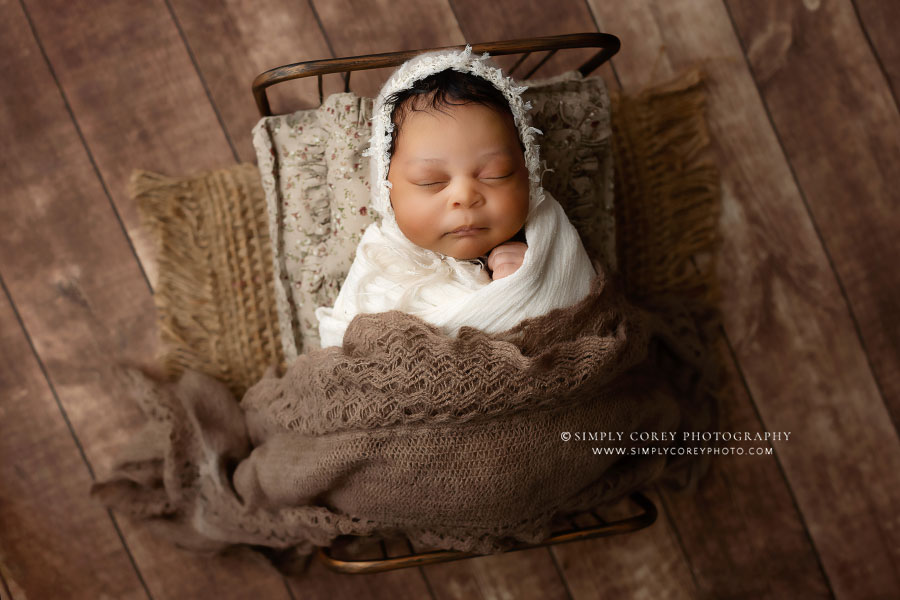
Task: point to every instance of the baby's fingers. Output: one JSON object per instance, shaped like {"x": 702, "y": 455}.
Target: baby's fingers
{"x": 509, "y": 252}
{"x": 504, "y": 270}
{"x": 495, "y": 261}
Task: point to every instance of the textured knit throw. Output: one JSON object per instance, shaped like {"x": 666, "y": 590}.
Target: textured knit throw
{"x": 454, "y": 442}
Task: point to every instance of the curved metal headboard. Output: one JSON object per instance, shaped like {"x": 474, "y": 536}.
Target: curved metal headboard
{"x": 609, "y": 45}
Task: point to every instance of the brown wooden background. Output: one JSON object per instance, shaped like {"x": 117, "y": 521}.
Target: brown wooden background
{"x": 803, "y": 107}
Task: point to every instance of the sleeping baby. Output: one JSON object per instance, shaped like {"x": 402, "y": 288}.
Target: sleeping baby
{"x": 467, "y": 237}
{"x": 459, "y": 182}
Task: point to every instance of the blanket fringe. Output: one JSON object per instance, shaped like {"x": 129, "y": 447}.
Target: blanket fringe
{"x": 181, "y": 268}
{"x": 195, "y": 330}
{"x": 668, "y": 236}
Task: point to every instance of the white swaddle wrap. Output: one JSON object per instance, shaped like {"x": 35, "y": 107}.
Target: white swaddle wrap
{"x": 390, "y": 272}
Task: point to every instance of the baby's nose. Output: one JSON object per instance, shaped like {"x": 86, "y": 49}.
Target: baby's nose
{"x": 466, "y": 195}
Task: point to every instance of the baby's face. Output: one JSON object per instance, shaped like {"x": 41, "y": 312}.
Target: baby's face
{"x": 464, "y": 169}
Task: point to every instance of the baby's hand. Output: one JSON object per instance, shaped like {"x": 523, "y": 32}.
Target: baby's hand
{"x": 506, "y": 258}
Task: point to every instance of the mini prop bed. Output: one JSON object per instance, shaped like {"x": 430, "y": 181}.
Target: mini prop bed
{"x": 460, "y": 444}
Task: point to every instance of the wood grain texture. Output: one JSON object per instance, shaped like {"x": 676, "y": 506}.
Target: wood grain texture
{"x": 85, "y": 303}
{"x": 134, "y": 93}
{"x": 9, "y": 587}
{"x": 785, "y": 316}
{"x": 320, "y": 582}
{"x": 803, "y": 110}
{"x": 385, "y": 26}
{"x": 744, "y": 498}
{"x": 511, "y": 19}
{"x": 233, "y": 42}
{"x": 879, "y": 20}
{"x": 742, "y": 531}
{"x": 840, "y": 129}
{"x": 523, "y": 574}
{"x": 54, "y": 541}
{"x": 645, "y": 564}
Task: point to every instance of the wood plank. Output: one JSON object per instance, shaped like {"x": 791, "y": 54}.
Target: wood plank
{"x": 320, "y": 582}
{"x": 136, "y": 96}
{"x": 8, "y": 585}
{"x": 508, "y": 19}
{"x": 233, "y": 42}
{"x": 80, "y": 293}
{"x": 839, "y": 126}
{"x": 742, "y": 531}
{"x": 648, "y": 563}
{"x": 521, "y": 574}
{"x": 784, "y": 314}
{"x": 352, "y": 31}
{"x": 745, "y": 498}
{"x": 55, "y": 540}
{"x": 879, "y": 20}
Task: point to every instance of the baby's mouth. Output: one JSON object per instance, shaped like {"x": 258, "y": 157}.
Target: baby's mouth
{"x": 467, "y": 230}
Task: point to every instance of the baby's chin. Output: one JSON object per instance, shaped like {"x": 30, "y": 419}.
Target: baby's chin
{"x": 464, "y": 250}
{"x": 466, "y": 256}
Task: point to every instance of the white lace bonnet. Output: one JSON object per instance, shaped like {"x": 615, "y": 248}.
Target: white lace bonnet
{"x": 420, "y": 67}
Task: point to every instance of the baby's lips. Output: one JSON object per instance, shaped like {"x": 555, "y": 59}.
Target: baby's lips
{"x": 469, "y": 227}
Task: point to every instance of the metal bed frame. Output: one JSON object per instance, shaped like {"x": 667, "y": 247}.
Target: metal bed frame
{"x": 608, "y": 46}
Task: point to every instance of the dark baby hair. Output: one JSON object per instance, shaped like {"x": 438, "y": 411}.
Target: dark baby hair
{"x": 443, "y": 87}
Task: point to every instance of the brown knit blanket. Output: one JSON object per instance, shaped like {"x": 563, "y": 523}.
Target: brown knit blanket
{"x": 455, "y": 442}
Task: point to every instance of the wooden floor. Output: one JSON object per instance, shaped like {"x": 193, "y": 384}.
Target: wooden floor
{"x": 804, "y": 110}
